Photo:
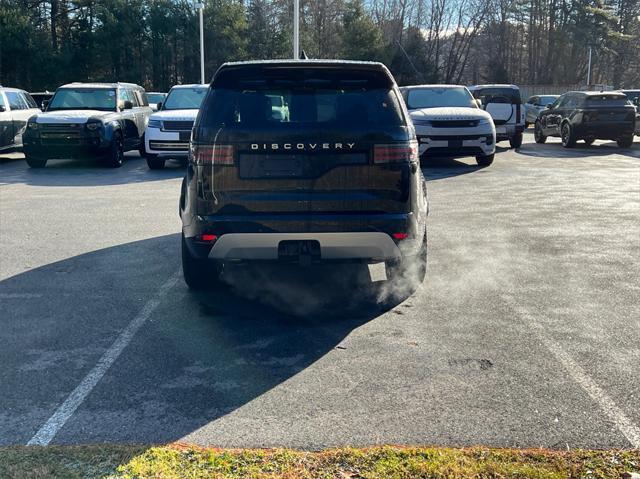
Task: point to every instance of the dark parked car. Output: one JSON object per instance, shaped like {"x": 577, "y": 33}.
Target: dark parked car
{"x": 588, "y": 116}
{"x": 40, "y": 97}
{"x": 90, "y": 120}
{"x": 337, "y": 179}
{"x": 634, "y": 97}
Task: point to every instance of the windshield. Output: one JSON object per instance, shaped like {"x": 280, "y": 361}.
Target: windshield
{"x": 607, "y": 100}
{"x": 184, "y": 98}
{"x": 547, "y": 99}
{"x": 84, "y": 99}
{"x": 439, "y": 97}
{"x": 156, "y": 97}
{"x": 312, "y": 108}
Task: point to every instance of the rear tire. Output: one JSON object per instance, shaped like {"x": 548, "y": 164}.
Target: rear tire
{"x": 625, "y": 141}
{"x": 35, "y": 162}
{"x": 537, "y": 133}
{"x": 568, "y": 138}
{"x": 155, "y": 163}
{"x": 485, "y": 160}
{"x": 116, "y": 153}
{"x": 199, "y": 274}
{"x": 516, "y": 141}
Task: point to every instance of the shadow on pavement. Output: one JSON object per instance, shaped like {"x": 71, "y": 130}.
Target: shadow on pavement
{"x": 439, "y": 168}
{"x": 85, "y": 172}
{"x": 554, "y": 149}
{"x": 197, "y": 358}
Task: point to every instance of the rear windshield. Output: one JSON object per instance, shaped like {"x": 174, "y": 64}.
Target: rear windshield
{"x": 434, "y": 97}
{"x": 607, "y": 100}
{"x": 311, "y": 98}
{"x": 498, "y": 95}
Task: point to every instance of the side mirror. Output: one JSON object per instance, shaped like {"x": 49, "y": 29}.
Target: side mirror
{"x": 128, "y": 104}
{"x": 159, "y": 105}
{"x": 548, "y": 107}
{"x": 2, "y": 108}
{"x": 45, "y": 104}
{"x": 478, "y": 102}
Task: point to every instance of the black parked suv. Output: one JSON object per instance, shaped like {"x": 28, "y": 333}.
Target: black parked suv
{"x": 588, "y": 116}
{"x": 88, "y": 120}
{"x": 336, "y": 179}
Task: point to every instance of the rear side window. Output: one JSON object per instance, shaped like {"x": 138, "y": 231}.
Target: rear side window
{"x": 2, "y": 100}
{"x": 607, "y": 100}
{"x": 289, "y": 98}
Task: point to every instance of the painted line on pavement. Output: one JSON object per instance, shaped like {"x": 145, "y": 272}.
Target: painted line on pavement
{"x": 48, "y": 431}
{"x": 580, "y": 376}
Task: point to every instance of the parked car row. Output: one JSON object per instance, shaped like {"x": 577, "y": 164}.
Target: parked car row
{"x": 104, "y": 120}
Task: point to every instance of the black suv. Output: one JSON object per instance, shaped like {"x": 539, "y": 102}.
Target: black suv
{"x": 336, "y": 179}
{"x": 588, "y": 116}
{"x": 88, "y": 120}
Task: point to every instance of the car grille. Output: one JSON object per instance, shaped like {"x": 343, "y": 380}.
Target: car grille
{"x": 61, "y": 133}
{"x": 169, "y": 145}
{"x": 455, "y": 123}
{"x": 178, "y": 125}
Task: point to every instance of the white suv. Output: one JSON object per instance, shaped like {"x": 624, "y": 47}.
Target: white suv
{"x": 504, "y": 104}
{"x": 169, "y": 129}
{"x": 449, "y": 123}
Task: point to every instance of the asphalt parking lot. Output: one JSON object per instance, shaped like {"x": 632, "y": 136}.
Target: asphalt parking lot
{"x": 526, "y": 331}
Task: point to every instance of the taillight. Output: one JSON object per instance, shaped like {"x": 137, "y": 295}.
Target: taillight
{"x": 216, "y": 154}
{"x": 395, "y": 153}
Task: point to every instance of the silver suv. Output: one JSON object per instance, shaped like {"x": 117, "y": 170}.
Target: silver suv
{"x": 16, "y": 107}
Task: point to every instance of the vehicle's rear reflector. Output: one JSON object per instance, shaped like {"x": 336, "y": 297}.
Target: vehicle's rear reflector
{"x": 395, "y": 153}
{"x": 213, "y": 154}
{"x": 400, "y": 236}
{"x": 207, "y": 238}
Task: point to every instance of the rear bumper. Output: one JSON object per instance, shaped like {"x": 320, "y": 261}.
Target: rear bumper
{"x": 364, "y": 237}
{"x": 604, "y": 131}
{"x": 508, "y": 131}
{"x": 333, "y": 246}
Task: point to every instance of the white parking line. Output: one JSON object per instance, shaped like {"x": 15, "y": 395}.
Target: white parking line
{"x": 595, "y": 392}
{"x": 48, "y": 431}
{"x": 19, "y": 295}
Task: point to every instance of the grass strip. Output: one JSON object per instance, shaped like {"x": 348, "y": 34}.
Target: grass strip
{"x": 387, "y": 462}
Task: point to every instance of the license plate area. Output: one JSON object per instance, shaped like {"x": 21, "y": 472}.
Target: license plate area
{"x": 185, "y": 135}
{"x": 302, "y": 251}
{"x": 457, "y": 143}
{"x": 272, "y": 166}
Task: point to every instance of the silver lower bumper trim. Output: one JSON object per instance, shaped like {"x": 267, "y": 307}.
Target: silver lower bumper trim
{"x": 333, "y": 246}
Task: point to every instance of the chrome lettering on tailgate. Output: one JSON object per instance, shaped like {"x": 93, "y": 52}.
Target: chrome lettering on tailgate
{"x": 302, "y": 146}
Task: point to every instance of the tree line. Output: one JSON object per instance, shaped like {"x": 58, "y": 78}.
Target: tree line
{"x": 155, "y": 43}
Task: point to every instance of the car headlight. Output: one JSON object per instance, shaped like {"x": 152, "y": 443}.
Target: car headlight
{"x": 484, "y": 121}
{"x": 93, "y": 126}
{"x": 32, "y": 125}
{"x": 155, "y": 124}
